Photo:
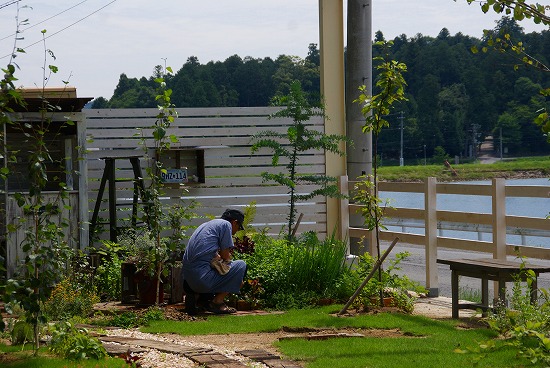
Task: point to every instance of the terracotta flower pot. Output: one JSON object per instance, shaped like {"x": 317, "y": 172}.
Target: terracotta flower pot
{"x": 388, "y": 301}
{"x": 243, "y": 305}
{"x": 146, "y": 289}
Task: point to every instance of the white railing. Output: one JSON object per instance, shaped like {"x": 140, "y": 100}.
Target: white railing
{"x": 433, "y": 220}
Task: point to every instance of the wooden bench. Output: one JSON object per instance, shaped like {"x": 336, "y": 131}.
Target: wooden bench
{"x": 487, "y": 269}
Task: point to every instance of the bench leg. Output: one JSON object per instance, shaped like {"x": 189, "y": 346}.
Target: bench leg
{"x": 534, "y": 288}
{"x": 502, "y": 291}
{"x": 485, "y": 295}
{"x": 454, "y": 293}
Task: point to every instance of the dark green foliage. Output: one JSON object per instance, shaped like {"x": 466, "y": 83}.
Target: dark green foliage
{"x": 450, "y": 89}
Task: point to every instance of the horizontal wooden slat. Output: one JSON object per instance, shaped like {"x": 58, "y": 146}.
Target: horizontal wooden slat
{"x": 135, "y": 143}
{"x": 467, "y": 217}
{"x": 247, "y": 170}
{"x": 469, "y": 245}
{"x": 186, "y": 133}
{"x": 465, "y": 189}
{"x": 527, "y": 191}
{"x": 404, "y": 212}
{"x": 183, "y": 124}
{"x": 403, "y": 237}
{"x": 528, "y": 222}
{"x": 182, "y": 112}
{"x": 385, "y": 186}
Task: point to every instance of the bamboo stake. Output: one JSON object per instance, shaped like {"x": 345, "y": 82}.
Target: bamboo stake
{"x": 297, "y": 224}
{"x": 374, "y": 268}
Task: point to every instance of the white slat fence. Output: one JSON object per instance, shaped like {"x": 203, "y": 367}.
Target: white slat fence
{"x": 232, "y": 173}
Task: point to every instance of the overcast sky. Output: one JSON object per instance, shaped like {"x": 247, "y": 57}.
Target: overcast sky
{"x": 94, "y": 41}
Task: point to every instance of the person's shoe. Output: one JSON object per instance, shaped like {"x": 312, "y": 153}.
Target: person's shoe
{"x": 220, "y": 308}
{"x": 190, "y": 304}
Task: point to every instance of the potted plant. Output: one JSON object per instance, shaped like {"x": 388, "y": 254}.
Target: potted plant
{"x": 395, "y": 290}
{"x": 149, "y": 256}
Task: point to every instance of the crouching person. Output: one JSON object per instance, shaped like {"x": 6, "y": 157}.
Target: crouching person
{"x": 207, "y": 265}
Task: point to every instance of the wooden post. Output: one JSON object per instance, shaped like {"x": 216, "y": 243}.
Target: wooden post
{"x": 498, "y": 198}
{"x": 499, "y": 218}
{"x": 430, "y": 220}
{"x": 83, "y": 213}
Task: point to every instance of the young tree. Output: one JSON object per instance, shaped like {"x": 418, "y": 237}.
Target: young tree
{"x": 298, "y": 139}
{"x": 44, "y": 243}
{"x": 375, "y": 109}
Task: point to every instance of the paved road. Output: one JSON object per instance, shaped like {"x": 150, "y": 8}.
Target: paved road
{"x": 486, "y": 155}
{"x": 414, "y": 267}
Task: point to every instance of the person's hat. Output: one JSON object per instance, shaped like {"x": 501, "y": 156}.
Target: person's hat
{"x": 231, "y": 214}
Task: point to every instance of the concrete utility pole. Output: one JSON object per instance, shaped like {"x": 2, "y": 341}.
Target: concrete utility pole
{"x": 358, "y": 73}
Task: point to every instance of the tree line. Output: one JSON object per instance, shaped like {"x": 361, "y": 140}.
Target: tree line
{"x": 455, "y": 97}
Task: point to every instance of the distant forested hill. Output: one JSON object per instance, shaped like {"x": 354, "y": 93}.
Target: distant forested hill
{"x": 456, "y": 97}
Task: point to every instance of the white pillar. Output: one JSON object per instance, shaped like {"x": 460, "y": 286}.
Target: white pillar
{"x": 331, "y": 24}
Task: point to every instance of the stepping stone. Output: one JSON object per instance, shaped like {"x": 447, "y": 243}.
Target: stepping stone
{"x": 114, "y": 349}
{"x": 165, "y": 347}
{"x": 215, "y": 360}
{"x": 322, "y": 336}
{"x": 265, "y": 357}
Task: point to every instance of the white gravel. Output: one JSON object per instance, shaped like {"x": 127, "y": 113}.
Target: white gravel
{"x": 155, "y": 359}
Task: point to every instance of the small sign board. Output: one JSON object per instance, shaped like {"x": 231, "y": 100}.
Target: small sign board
{"x": 174, "y": 176}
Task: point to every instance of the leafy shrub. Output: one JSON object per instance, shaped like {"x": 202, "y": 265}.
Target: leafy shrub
{"x": 74, "y": 343}
{"x": 133, "y": 319}
{"x": 108, "y": 274}
{"x": 125, "y": 320}
{"x": 522, "y": 325}
{"x": 525, "y": 325}
{"x": 152, "y": 313}
{"x": 295, "y": 274}
{"x": 398, "y": 287}
{"x": 70, "y": 299}
{"x": 22, "y": 332}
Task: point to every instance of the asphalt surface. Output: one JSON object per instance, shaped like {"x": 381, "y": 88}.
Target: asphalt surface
{"x": 414, "y": 267}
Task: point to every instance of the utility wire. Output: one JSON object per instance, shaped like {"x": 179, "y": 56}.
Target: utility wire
{"x": 9, "y": 3}
{"x": 45, "y": 20}
{"x": 65, "y": 28}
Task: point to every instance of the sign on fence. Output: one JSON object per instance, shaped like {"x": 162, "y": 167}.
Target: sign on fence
{"x": 174, "y": 176}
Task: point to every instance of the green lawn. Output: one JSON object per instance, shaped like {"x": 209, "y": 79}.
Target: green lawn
{"x": 501, "y": 169}
{"x": 424, "y": 342}
{"x": 421, "y": 341}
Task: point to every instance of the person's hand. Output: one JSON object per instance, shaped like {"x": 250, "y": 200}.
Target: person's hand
{"x": 225, "y": 254}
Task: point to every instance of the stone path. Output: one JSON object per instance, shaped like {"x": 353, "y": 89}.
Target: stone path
{"x": 120, "y": 345}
